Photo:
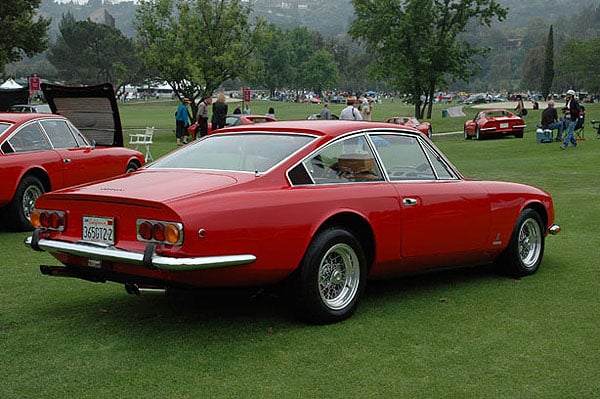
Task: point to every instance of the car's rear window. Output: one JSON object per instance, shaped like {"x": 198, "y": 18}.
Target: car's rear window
{"x": 246, "y": 152}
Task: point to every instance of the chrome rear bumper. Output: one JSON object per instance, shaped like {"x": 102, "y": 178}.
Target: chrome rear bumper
{"x": 148, "y": 259}
{"x": 554, "y": 229}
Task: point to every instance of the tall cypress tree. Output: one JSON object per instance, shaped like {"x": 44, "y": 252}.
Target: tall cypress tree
{"x": 548, "y": 72}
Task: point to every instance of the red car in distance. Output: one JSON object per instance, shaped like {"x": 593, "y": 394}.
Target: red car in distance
{"x": 43, "y": 152}
{"x": 493, "y": 123}
{"x": 234, "y": 120}
{"x": 411, "y": 121}
{"x": 317, "y": 208}
{"x": 243, "y": 119}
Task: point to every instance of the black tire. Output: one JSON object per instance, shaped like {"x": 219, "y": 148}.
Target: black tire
{"x": 477, "y": 136}
{"x": 519, "y": 134}
{"x": 467, "y": 137}
{"x": 132, "y": 167}
{"x": 331, "y": 278}
{"x": 19, "y": 209}
{"x": 525, "y": 250}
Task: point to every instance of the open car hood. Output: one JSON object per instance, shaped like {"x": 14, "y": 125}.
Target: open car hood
{"x": 92, "y": 109}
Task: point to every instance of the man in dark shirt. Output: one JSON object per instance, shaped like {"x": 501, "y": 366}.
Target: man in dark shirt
{"x": 550, "y": 120}
{"x": 572, "y": 110}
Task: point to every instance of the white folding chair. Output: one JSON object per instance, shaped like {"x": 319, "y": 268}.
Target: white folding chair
{"x": 143, "y": 139}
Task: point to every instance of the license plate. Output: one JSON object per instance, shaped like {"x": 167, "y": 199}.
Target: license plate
{"x": 98, "y": 229}
{"x": 504, "y": 126}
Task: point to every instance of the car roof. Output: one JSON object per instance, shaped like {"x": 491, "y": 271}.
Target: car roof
{"x": 35, "y": 107}
{"x": 22, "y": 117}
{"x": 316, "y": 127}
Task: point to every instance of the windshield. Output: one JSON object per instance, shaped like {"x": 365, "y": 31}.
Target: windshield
{"x": 245, "y": 152}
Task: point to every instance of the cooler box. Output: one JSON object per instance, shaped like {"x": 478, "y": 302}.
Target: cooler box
{"x": 543, "y": 135}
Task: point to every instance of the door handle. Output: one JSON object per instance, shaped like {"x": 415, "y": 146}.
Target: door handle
{"x": 67, "y": 160}
{"x": 410, "y": 201}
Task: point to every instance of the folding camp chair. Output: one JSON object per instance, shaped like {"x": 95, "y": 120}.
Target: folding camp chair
{"x": 143, "y": 139}
{"x": 580, "y": 126}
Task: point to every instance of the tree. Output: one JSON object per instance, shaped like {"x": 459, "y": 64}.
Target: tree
{"x": 87, "y": 52}
{"x": 22, "y": 33}
{"x": 302, "y": 44}
{"x": 548, "y": 72}
{"x": 533, "y": 68}
{"x": 532, "y": 51}
{"x": 273, "y": 60}
{"x": 578, "y": 65}
{"x": 319, "y": 71}
{"x": 196, "y": 45}
{"x": 417, "y": 43}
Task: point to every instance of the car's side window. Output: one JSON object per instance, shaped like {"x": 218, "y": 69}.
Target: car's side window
{"x": 29, "y": 138}
{"x": 402, "y": 157}
{"x": 60, "y": 134}
{"x": 345, "y": 161}
{"x": 442, "y": 169}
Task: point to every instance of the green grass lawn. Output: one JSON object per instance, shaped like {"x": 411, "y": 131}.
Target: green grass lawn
{"x": 456, "y": 334}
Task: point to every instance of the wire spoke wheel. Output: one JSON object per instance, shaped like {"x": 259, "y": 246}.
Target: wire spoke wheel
{"x": 331, "y": 277}
{"x": 30, "y": 195}
{"x": 530, "y": 243}
{"x": 339, "y": 276}
{"x": 525, "y": 250}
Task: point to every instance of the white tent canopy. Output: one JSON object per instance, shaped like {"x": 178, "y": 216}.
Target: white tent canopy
{"x": 10, "y": 84}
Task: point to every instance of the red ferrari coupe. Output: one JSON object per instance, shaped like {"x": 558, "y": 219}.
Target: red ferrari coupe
{"x": 42, "y": 152}
{"x": 411, "y": 121}
{"x": 319, "y": 207}
{"x": 494, "y": 122}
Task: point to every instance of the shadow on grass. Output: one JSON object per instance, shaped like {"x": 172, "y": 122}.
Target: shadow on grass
{"x": 231, "y": 311}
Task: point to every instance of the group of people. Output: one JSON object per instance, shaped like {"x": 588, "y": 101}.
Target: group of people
{"x": 357, "y": 113}
{"x": 551, "y": 121}
{"x": 182, "y": 117}
{"x": 550, "y": 118}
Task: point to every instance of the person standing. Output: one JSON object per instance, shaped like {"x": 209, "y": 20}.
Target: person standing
{"x": 219, "y": 112}
{"x": 550, "y": 120}
{"x": 182, "y": 121}
{"x": 366, "y": 109}
{"x": 271, "y": 113}
{"x": 572, "y": 110}
{"x": 520, "y": 108}
{"x": 350, "y": 113}
{"x": 202, "y": 116}
{"x": 325, "y": 113}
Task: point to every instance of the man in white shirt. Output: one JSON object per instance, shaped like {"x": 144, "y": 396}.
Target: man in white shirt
{"x": 350, "y": 113}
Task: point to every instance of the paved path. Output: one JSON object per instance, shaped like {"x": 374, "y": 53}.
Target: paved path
{"x": 454, "y": 112}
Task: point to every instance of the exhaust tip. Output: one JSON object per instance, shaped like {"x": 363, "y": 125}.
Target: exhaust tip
{"x": 134, "y": 289}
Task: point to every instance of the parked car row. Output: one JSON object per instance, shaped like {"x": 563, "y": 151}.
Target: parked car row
{"x": 486, "y": 123}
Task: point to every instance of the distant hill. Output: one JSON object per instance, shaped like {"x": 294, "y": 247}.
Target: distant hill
{"x": 329, "y": 17}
